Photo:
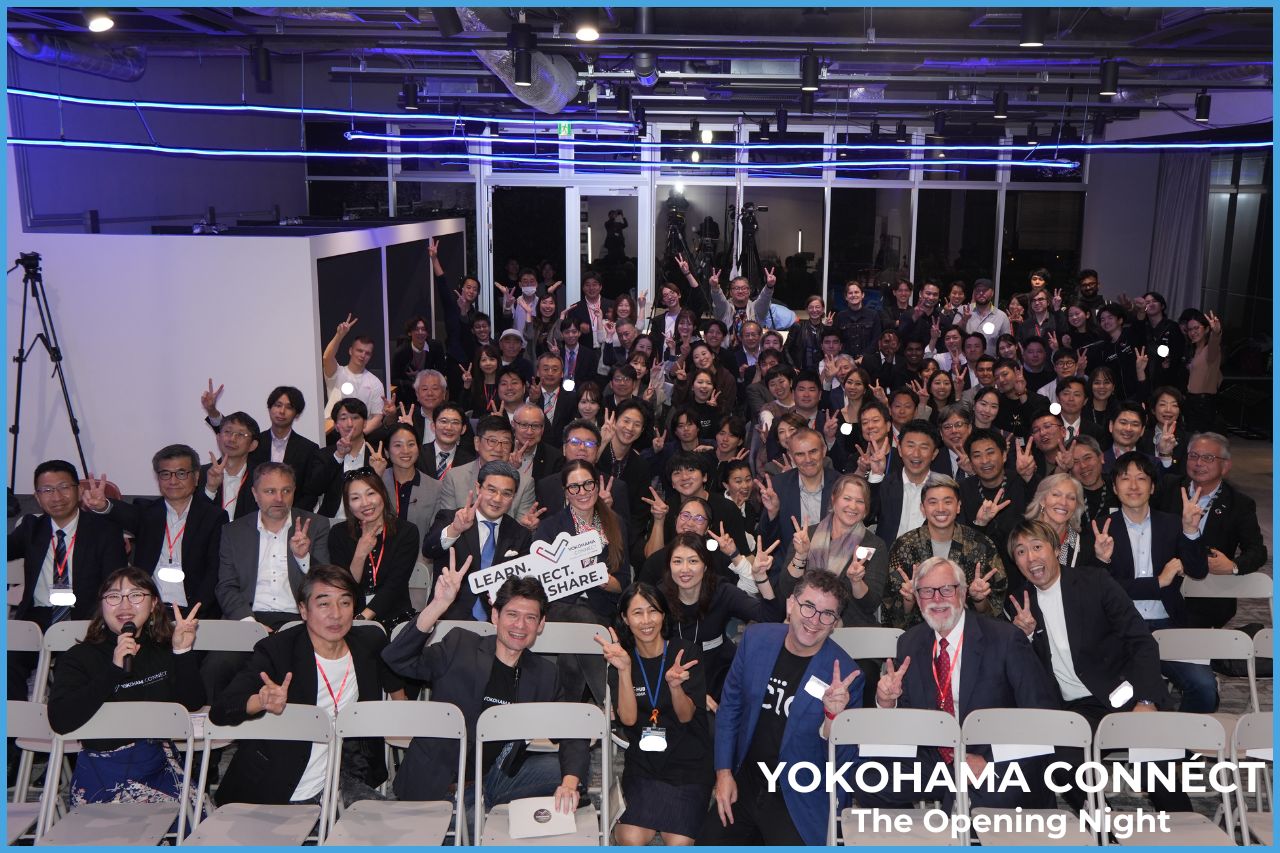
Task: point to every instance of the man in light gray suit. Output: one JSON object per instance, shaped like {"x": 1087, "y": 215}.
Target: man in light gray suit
{"x": 494, "y": 442}
{"x": 263, "y": 559}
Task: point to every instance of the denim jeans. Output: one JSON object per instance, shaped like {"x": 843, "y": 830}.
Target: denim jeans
{"x": 1196, "y": 681}
{"x": 539, "y": 776}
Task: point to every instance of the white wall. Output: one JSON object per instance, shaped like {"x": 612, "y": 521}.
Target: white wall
{"x": 1119, "y": 214}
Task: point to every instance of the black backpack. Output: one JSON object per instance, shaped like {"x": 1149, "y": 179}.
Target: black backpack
{"x": 1239, "y": 668}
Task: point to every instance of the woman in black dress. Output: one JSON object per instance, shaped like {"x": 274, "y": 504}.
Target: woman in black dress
{"x": 659, "y": 697}
{"x": 379, "y": 549}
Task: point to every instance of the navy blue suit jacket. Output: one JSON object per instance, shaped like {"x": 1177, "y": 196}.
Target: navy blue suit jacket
{"x": 787, "y": 485}
{"x": 740, "y": 704}
{"x": 1167, "y": 542}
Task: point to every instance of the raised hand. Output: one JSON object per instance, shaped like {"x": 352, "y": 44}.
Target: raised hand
{"x": 532, "y": 516}
{"x": 829, "y": 319}
{"x": 1057, "y": 299}
{"x": 614, "y": 654}
{"x": 1053, "y": 341}
{"x": 217, "y": 467}
{"x": 768, "y": 497}
{"x": 981, "y": 586}
{"x": 830, "y": 426}
{"x": 209, "y": 399}
{"x": 907, "y": 589}
{"x": 607, "y": 429}
{"x": 770, "y": 279}
{"x": 1103, "y": 543}
{"x": 554, "y": 287}
{"x": 935, "y": 331}
{"x": 880, "y": 456}
{"x": 659, "y": 441}
{"x": 504, "y": 290}
{"x": 273, "y": 697}
{"x": 364, "y": 545}
{"x": 1192, "y": 512}
{"x": 300, "y": 542}
{"x": 345, "y": 325}
{"x": 463, "y": 304}
{"x": 495, "y": 406}
{"x": 1215, "y": 324}
{"x": 879, "y": 393}
{"x": 889, "y": 687}
{"x": 657, "y": 505}
{"x": 679, "y": 672}
{"x": 342, "y": 447}
{"x": 184, "y": 628}
{"x": 763, "y": 560}
{"x": 724, "y": 542}
{"x": 449, "y": 583}
{"x": 920, "y": 391}
{"x": 714, "y": 399}
{"x": 432, "y": 249}
{"x": 800, "y": 539}
{"x": 1171, "y": 571}
{"x": 836, "y": 697}
{"x": 714, "y": 279}
{"x": 516, "y": 457}
{"x": 1024, "y": 620}
{"x": 1015, "y": 312}
{"x": 681, "y": 373}
{"x": 990, "y": 508}
{"x": 465, "y": 516}
{"x": 785, "y": 464}
{"x": 466, "y": 377}
{"x": 1026, "y": 461}
{"x": 1140, "y": 360}
{"x": 682, "y": 264}
{"x": 406, "y": 415}
{"x": 1168, "y": 440}
{"x": 94, "y": 494}
{"x": 857, "y": 570}
{"x": 378, "y": 460}
{"x": 389, "y": 411}
{"x": 606, "y": 491}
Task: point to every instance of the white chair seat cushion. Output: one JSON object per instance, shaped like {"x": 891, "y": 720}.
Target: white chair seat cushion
{"x": 243, "y": 824}
{"x": 113, "y": 824}
{"x": 374, "y": 823}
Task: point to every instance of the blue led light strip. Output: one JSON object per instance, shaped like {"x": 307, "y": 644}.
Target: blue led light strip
{"x": 490, "y": 158}
{"x": 315, "y": 111}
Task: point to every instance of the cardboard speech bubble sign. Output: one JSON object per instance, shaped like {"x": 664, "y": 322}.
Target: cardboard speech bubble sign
{"x": 566, "y": 566}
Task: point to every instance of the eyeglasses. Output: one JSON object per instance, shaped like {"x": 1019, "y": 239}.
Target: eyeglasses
{"x": 1192, "y": 456}
{"x": 588, "y": 443}
{"x": 528, "y": 425}
{"x": 227, "y": 433}
{"x": 493, "y": 442}
{"x": 688, "y": 516}
{"x": 578, "y": 488}
{"x": 928, "y": 593}
{"x": 825, "y": 617}
{"x": 135, "y": 596}
{"x": 180, "y": 474}
{"x": 448, "y": 422}
{"x": 61, "y": 488}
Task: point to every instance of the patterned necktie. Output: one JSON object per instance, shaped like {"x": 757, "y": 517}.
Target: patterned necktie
{"x": 942, "y": 677}
{"x": 571, "y": 362}
{"x": 487, "y": 552}
{"x": 60, "y": 578}
{"x": 1071, "y": 435}
{"x": 443, "y": 465}
{"x": 549, "y": 405}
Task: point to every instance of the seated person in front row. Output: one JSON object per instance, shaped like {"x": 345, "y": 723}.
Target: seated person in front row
{"x": 476, "y": 673}
{"x": 960, "y": 662}
{"x": 323, "y": 662}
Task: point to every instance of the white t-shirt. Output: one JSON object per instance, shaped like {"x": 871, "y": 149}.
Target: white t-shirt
{"x": 365, "y": 387}
{"x": 341, "y": 674}
{"x": 1055, "y": 626}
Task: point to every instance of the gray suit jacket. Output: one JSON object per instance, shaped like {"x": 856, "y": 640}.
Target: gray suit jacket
{"x": 461, "y": 479}
{"x": 238, "y": 560}
{"x": 424, "y": 500}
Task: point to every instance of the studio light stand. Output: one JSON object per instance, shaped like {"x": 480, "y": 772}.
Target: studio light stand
{"x": 33, "y": 289}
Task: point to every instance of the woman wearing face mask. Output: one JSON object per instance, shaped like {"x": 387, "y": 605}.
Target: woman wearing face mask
{"x": 379, "y": 550}
{"x": 659, "y": 693}
{"x": 161, "y": 668}
{"x": 522, "y": 306}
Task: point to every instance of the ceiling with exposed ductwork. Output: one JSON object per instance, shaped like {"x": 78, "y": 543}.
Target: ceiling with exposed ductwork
{"x": 894, "y": 63}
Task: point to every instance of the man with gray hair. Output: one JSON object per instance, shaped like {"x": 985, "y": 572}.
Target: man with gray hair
{"x": 962, "y": 663}
{"x": 1229, "y": 527}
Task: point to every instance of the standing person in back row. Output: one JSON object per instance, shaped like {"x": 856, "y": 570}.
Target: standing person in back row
{"x": 364, "y": 386}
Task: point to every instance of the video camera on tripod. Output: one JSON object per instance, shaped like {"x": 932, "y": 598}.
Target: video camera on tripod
{"x": 748, "y": 214}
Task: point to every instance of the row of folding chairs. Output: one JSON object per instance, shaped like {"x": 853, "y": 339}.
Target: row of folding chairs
{"x": 1169, "y": 732}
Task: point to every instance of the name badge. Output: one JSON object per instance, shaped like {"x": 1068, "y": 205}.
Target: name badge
{"x": 60, "y": 595}
{"x": 653, "y": 739}
{"x": 171, "y": 573}
{"x": 816, "y": 687}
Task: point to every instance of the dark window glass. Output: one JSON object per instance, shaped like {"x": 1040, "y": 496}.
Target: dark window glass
{"x": 955, "y": 235}
{"x": 1042, "y": 230}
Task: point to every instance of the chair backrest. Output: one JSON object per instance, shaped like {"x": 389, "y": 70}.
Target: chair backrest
{"x": 17, "y": 572}
{"x": 444, "y": 626}
{"x": 1164, "y": 730}
{"x": 1253, "y": 731}
{"x": 1252, "y": 585}
{"x": 297, "y": 723}
{"x": 136, "y": 721}
{"x": 532, "y": 720}
{"x": 1194, "y": 643}
{"x": 868, "y": 642}
{"x": 1038, "y": 726}
{"x": 27, "y": 720}
{"x": 401, "y": 719}
{"x": 570, "y": 638}
{"x": 228, "y": 635}
{"x": 1263, "y": 644}
{"x": 355, "y": 623}
{"x": 905, "y": 726}
{"x": 24, "y": 636}
{"x": 58, "y": 638}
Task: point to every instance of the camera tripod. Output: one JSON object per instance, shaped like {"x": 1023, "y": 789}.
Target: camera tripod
{"x": 33, "y": 289}
{"x": 749, "y": 266}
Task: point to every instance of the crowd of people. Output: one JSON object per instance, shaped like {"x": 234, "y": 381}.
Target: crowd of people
{"x": 1021, "y": 489}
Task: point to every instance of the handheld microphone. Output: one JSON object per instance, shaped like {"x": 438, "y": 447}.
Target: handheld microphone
{"x": 132, "y": 630}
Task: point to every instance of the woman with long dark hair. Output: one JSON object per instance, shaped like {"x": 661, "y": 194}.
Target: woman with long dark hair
{"x": 379, "y": 550}
{"x": 542, "y": 332}
{"x": 130, "y": 622}
{"x": 658, "y": 682}
{"x": 481, "y": 381}
{"x": 1103, "y": 404}
{"x": 1166, "y": 436}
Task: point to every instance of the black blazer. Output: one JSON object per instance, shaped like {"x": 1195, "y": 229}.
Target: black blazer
{"x": 429, "y": 456}
{"x": 458, "y": 669}
{"x": 512, "y": 537}
{"x": 390, "y": 596}
{"x": 99, "y": 551}
{"x": 300, "y": 453}
{"x": 1167, "y": 542}
{"x": 566, "y": 410}
{"x": 787, "y": 486}
{"x": 586, "y": 367}
{"x": 1109, "y": 641}
{"x": 582, "y": 316}
{"x": 246, "y": 503}
{"x": 269, "y": 771}
{"x": 546, "y": 460}
{"x": 604, "y": 604}
{"x": 200, "y": 540}
{"x": 332, "y": 478}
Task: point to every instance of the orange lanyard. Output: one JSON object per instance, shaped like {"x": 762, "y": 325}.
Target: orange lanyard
{"x": 329, "y": 687}
{"x": 60, "y": 569}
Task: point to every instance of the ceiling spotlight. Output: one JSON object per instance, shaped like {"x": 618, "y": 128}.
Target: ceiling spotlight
{"x": 446, "y": 20}
{"x": 781, "y": 118}
{"x": 1110, "y": 84}
{"x": 262, "y": 67}
{"x": 1033, "y": 134}
{"x": 622, "y": 98}
{"x": 764, "y": 128}
{"x": 695, "y": 157}
{"x": 693, "y": 129}
{"x": 1033, "y": 26}
{"x": 98, "y": 20}
{"x": 522, "y": 41}
{"x": 809, "y": 73}
{"x": 1204, "y": 101}
{"x": 410, "y": 91}
{"x": 524, "y": 68}
{"x": 875, "y": 128}
{"x": 1001, "y": 104}
{"x": 939, "y": 124}
{"x": 585, "y": 25}
{"x": 707, "y": 137}
{"x": 902, "y": 132}
{"x": 806, "y": 103}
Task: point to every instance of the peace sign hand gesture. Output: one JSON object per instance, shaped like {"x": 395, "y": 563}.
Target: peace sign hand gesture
{"x": 829, "y": 319}
{"x": 1057, "y": 299}
{"x": 607, "y": 429}
{"x": 679, "y": 672}
{"x": 656, "y": 504}
{"x": 889, "y": 687}
{"x": 768, "y": 497}
{"x": 763, "y": 560}
{"x": 1192, "y": 512}
{"x": 920, "y": 391}
{"x": 907, "y": 587}
{"x": 378, "y": 460}
{"x": 406, "y": 415}
{"x": 213, "y": 479}
{"x": 273, "y": 697}
{"x": 606, "y": 491}
{"x": 981, "y": 586}
{"x": 1140, "y": 359}
{"x": 1168, "y": 440}
{"x": 770, "y": 280}
{"x": 184, "y": 629}
{"x": 448, "y": 584}
{"x": 209, "y": 399}
{"x": 465, "y": 516}
{"x": 389, "y": 410}
{"x": 836, "y": 697}
{"x": 300, "y": 542}
{"x": 1103, "y": 543}
{"x": 682, "y": 264}
{"x": 1026, "y": 460}
{"x": 94, "y": 494}
{"x": 614, "y": 654}
{"x": 1024, "y": 620}
{"x": 714, "y": 279}
{"x": 1215, "y": 324}
{"x": 345, "y": 325}
{"x": 714, "y": 400}
{"x": 800, "y": 539}
{"x": 724, "y": 542}
{"x": 990, "y": 508}
{"x": 830, "y": 426}
{"x": 532, "y": 516}
{"x": 857, "y": 571}
{"x": 659, "y": 441}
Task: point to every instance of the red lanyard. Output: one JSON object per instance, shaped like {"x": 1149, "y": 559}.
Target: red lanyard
{"x": 954, "y": 657}
{"x": 374, "y": 566}
{"x": 237, "y": 492}
{"x": 488, "y": 398}
{"x": 60, "y": 569}
{"x": 169, "y": 543}
{"x": 329, "y": 687}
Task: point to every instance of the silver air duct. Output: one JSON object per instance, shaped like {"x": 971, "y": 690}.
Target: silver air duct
{"x": 554, "y": 82}
{"x": 126, "y": 63}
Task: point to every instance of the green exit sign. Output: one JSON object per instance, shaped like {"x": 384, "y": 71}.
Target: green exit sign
{"x": 563, "y": 128}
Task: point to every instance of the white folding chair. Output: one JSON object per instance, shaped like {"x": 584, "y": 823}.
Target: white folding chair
{"x": 1252, "y": 585}
{"x": 1037, "y": 727}
{"x": 228, "y": 635}
{"x": 25, "y": 720}
{"x": 17, "y": 581}
{"x": 1188, "y": 644}
{"x": 1168, "y": 730}
{"x": 911, "y": 727}
{"x": 57, "y": 639}
{"x": 289, "y": 825}
{"x": 107, "y": 824}
{"x": 1263, "y": 648}
{"x": 526, "y": 721}
{"x": 355, "y": 623}
{"x": 868, "y": 642}
{"x": 1254, "y": 732}
{"x": 384, "y": 824}
{"x": 420, "y": 581}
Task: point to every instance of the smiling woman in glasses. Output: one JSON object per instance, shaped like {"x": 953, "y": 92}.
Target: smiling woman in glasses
{"x": 133, "y": 651}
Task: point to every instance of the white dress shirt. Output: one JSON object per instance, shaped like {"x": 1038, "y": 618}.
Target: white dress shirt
{"x": 1140, "y": 545}
{"x": 40, "y": 598}
{"x": 272, "y": 593}
{"x": 172, "y": 592}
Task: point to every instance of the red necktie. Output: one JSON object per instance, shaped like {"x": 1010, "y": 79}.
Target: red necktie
{"x": 942, "y": 678}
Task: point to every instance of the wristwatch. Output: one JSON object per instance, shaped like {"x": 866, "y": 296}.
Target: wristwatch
{"x": 1146, "y": 702}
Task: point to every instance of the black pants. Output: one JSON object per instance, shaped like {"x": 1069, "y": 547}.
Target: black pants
{"x": 759, "y": 818}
